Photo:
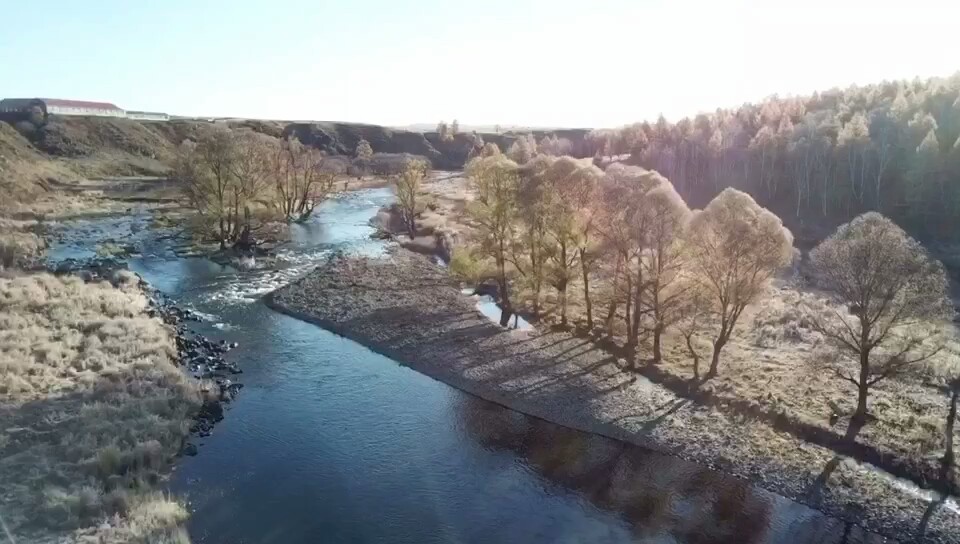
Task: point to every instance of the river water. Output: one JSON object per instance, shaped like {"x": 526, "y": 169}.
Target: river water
{"x": 330, "y": 442}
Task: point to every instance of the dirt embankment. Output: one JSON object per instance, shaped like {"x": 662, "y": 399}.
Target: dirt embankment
{"x": 34, "y": 159}
{"x": 408, "y": 308}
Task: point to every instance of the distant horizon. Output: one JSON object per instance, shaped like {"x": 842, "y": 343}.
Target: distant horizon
{"x": 531, "y": 63}
{"x": 425, "y": 126}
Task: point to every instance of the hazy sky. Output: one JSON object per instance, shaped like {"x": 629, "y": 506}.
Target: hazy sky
{"x": 555, "y": 63}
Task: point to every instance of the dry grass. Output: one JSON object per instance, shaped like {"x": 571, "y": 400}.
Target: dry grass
{"x": 18, "y": 248}
{"x": 94, "y": 409}
{"x": 771, "y": 360}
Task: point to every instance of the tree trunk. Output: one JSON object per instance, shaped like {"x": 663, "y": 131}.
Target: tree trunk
{"x": 657, "y": 332}
{"x": 715, "y": 358}
{"x": 634, "y": 336}
{"x": 695, "y": 355}
{"x": 586, "y": 289}
{"x": 506, "y": 309}
{"x": 948, "y": 455}
{"x": 611, "y": 314}
{"x": 863, "y": 387}
{"x": 536, "y": 297}
{"x": 562, "y": 290}
{"x": 628, "y": 305}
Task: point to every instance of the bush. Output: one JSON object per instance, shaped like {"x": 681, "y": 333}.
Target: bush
{"x": 19, "y": 249}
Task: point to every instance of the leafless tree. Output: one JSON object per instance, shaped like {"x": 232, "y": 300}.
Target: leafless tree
{"x": 407, "y": 184}
{"x": 206, "y": 171}
{"x": 300, "y": 178}
{"x": 736, "y": 247}
{"x": 664, "y": 259}
{"x": 494, "y": 211}
{"x": 364, "y": 152}
{"x": 889, "y": 287}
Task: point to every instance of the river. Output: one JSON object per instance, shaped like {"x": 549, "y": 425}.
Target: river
{"x": 331, "y": 442}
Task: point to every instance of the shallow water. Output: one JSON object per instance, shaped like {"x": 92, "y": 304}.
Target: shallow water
{"x": 330, "y": 442}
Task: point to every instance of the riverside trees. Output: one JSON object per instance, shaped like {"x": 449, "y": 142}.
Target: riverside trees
{"x": 408, "y": 183}
{"x": 224, "y": 173}
{"x": 494, "y": 179}
{"x": 889, "y": 287}
{"x": 736, "y": 247}
{"x": 300, "y": 180}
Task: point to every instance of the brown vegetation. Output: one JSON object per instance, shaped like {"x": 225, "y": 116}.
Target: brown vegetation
{"x": 94, "y": 409}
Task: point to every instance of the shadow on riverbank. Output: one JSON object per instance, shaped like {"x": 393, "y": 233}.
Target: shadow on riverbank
{"x": 407, "y": 308}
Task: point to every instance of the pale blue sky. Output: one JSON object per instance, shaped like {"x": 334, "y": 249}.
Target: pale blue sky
{"x": 546, "y": 63}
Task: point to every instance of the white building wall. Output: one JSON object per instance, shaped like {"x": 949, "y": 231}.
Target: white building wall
{"x": 148, "y": 116}
{"x": 70, "y": 110}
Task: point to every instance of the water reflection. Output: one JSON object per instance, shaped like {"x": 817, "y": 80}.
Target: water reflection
{"x": 663, "y": 498}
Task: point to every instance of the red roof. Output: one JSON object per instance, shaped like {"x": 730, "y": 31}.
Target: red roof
{"x": 79, "y": 104}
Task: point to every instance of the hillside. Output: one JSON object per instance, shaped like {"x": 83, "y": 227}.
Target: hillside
{"x": 33, "y": 159}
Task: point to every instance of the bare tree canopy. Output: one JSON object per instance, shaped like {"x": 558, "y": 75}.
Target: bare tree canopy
{"x": 522, "y": 149}
{"x": 888, "y": 284}
{"x": 407, "y": 184}
{"x": 640, "y": 219}
{"x": 736, "y": 247}
{"x": 364, "y": 151}
{"x": 494, "y": 212}
{"x": 221, "y": 174}
{"x": 301, "y": 179}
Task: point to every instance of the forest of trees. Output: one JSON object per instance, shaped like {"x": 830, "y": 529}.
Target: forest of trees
{"x": 820, "y": 160}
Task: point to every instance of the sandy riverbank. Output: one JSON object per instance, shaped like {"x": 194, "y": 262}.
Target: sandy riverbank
{"x": 407, "y": 308}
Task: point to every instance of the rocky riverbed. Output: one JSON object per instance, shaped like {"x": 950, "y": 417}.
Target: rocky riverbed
{"x": 199, "y": 355}
{"x": 407, "y": 307}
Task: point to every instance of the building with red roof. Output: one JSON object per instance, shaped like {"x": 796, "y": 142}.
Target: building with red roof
{"x": 55, "y": 106}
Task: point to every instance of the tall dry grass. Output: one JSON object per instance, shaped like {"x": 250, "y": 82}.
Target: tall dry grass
{"x": 94, "y": 408}
{"x": 18, "y": 248}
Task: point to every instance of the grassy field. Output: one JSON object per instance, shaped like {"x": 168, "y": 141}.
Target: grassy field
{"x": 94, "y": 409}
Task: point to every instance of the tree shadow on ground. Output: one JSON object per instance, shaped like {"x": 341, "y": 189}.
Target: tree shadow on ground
{"x": 815, "y": 492}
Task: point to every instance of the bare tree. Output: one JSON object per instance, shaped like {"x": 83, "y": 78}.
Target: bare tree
{"x": 570, "y": 191}
{"x": 641, "y": 219}
{"x": 443, "y": 131}
{"x": 489, "y": 149}
{"x": 946, "y": 368}
{"x": 205, "y": 170}
{"x": 552, "y": 145}
{"x": 252, "y": 176}
{"x": 530, "y": 249}
{"x": 522, "y": 149}
{"x": 692, "y": 308}
{"x": 888, "y": 285}
{"x": 364, "y": 151}
{"x": 663, "y": 261}
{"x": 736, "y": 247}
{"x": 408, "y": 184}
{"x": 300, "y": 178}
{"x": 494, "y": 211}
